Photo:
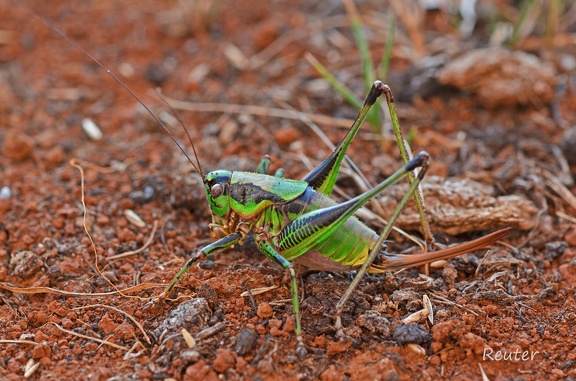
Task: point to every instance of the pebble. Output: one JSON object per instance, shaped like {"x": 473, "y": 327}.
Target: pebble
{"x": 557, "y": 372}
{"x": 91, "y": 129}
{"x": 412, "y": 334}
{"x": 570, "y": 236}
{"x": 224, "y": 360}
{"x": 264, "y": 311}
{"x": 246, "y": 341}
{"x": 287, "y": 135}
{"x": 25, "y": 263}
{"x": 42, "y": 350}
{"x": 107, "y": 325}
{"x": 200, "y": 371}
{"x": 17, "y": 145}
{"x": 5, "y": 193}
{"x": 191, "y": 313}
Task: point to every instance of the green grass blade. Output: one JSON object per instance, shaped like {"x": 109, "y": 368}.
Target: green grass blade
{"x": 385, "y": 64}
{"x": 362, "y": 44}
{"x": 526, "y": 8}
{"x": 340, "y": 88}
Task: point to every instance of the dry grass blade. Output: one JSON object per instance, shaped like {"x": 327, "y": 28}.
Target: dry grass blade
{"x": 411, "y": 15}
{"x": 128, "y": 354}
{"x": 440, "y": 299}
{"x": 30, "y": 368}
{"x": 76, "y": 164}
{"x": 257, "y": 291}
{"x": 6, "y": 341}
{"x": 257, "y": 110}
{"x": 105, "y": 342}
{"x": 566, "y": 217}
{"x": 484, "y": 376}
{"x": 50, "y": 290}
{"x": 556, "y": 185}
{"x": 122, "y": 312}
{"x": 212, "y": 330}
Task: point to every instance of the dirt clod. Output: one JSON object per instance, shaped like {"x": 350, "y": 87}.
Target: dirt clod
{"x": 17, "y": 145}
{"x": 412, "y": 334}
{"x": 191, "y": 313}
{"x": 200, "y": 372}
{"x": 224, "y": 360}
{"x": 374, "y": 323}
{"x": 25, "y": 263}
{"x": 265, "y": 310}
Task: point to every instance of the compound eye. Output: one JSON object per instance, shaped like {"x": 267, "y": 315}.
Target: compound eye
{"x": 216, "y": 190}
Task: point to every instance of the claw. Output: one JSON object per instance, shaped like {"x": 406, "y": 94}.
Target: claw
{"x": 301, "y": 349}
{"x": 152, "y": 302}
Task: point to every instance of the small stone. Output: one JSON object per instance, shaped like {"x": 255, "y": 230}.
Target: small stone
{"x": 435, "y": 360}
{"x": 570, "y": 237}
{"x": 274, "y": 331}
{"x": 200, "y": 372}
{"x": 442, "y": 332}
{"x": 555, "y": 250}
{"x": 25, "y": 263}
{"x": 264, "y": 310}
{"x": 124, "y": 331}
{"x": 557, "y": 372}
{"x": 246, "y": 341}
{"x": 107, "y": 325}
{"x": 224, "y": 360}
{"x": 436, "y": 346}
{"x": 320, "y": 341}
{"x": 40, "y": 336}
{"x": 289, "y": 326}
{"x": 473, "y": 342}
{"x": 55, "y": 156}
{"x": 331, "y": 374}
{"x": 17, "y": 145}
{"x": 287, "y": 135}
{"x": 336, "y": 347}
{"x": 42, "y": 350}
{"x": 412, "y": 334}
{"x": 373, "y": 322}
{"x": 191, "y": 313}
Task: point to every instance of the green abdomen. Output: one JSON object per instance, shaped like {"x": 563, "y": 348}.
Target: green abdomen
{"x": 345, "y": 249}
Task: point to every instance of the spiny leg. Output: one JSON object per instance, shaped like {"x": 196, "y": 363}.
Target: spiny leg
{"x": 376, "y": 249}
{"x": 221, "y": 244}
{"x": 323, "y": 177}
{"x": 268, "y": 250}
{"x": 406, "y": 156}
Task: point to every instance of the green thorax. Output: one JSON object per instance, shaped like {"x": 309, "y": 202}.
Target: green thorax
{"x": 250, "y": 193}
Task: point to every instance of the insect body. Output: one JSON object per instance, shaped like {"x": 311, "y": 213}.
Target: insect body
{"x": 297, "y": 221}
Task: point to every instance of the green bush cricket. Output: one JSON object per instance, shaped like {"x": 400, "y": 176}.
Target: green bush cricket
{"x": 296, "y": 221}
